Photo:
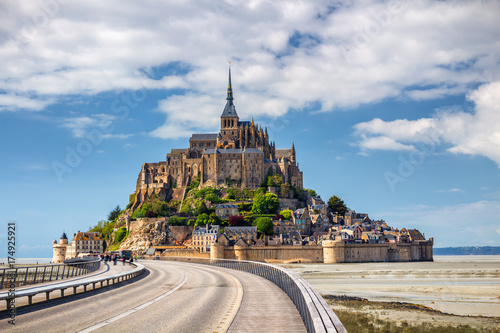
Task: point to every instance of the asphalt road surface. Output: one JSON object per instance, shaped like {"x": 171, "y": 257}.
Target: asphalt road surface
{"x": 172, "y": 297}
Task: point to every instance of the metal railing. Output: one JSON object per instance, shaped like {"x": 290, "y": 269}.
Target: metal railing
{"x": 96, "y": 282}
{"x": 22, "y": 276}
{"x": 315, "y": 312}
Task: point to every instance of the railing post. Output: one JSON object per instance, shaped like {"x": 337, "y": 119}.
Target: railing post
{"x": 3, "y": 276}
{"x": 26, "y": 276}
{"x": 44, "y": 270}
{"x": 36, "y": 272}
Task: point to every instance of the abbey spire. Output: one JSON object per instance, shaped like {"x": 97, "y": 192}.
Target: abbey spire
{"x": 229, "y": 86}
{"x": 229, "y": 109}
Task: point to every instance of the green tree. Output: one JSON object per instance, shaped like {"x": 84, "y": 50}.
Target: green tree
{"x": 200, "y": 207}
{"x": 266, "y": 179}
{"x": 214, "y": 219}
{"x": 264, "y": 225}
{"x": 202, "y": 219}
{"x": 99, "y": 227}
{"x": 337, "y": 205}
{"x": 176, "y": 220}
{"x": 287, "y": 214}
{"x": 265, "y": 204}
{"x": 285, "y": 190}
{"x": 114, "y": 213}
{"x": 311, "y": 192}
{"x": 213, "y": 198}
{"x": 231, "y": 194}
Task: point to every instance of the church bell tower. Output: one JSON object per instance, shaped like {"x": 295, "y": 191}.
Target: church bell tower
{"x": 228, "y": 136}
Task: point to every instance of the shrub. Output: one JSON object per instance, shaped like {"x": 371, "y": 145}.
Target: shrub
{"x": 213, "y": 198}
{"x": 245, "y": 207}
{"x": 277, "y": 217}
{"x": 120, "y": 235}
{"x": 237, "y": 221}
{"x": 177, "y": 221}
{"x": 287, "y": 214}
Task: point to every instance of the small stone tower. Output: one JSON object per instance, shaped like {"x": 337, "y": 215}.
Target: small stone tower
{"x": 59, "y": 250}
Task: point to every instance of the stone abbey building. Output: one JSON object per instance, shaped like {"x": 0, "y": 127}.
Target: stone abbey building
{"x": 240, "y": 153}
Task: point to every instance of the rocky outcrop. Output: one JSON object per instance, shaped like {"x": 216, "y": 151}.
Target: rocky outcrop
{"x": 145, "y": 233}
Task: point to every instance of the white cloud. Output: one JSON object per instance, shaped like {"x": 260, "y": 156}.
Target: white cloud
{"x": 474, "y": 223}
{"x": 37, "y": 167}
{"x": 285, "y": 54}
{"x": 116, "y": 136}
{"x": 383, "y": 142}
{"x": 81, "y": 125}
{"x": 476, "y": 133}
{"x": 452, "y": 190}
{"x": 14, "y": 102}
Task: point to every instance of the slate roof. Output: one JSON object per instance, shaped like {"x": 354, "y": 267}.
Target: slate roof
{"x": 179, "y": 150}
{"x": 209, "y": 136}
{"x": 244, "y": 123}
{"x": 88, "y": 236}
{"x": 229, "y": 110}
{"x": 283, "y": 153}
{"x": 240, "y": 229}
{"x": 64, "y": 236}
{"x": 233, "y": 151}
{"x": 415, "y": 235}
{"x": 226, "y": 206}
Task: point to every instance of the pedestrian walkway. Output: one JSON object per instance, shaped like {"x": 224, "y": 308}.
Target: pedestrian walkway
{"x": 264, "y": 308}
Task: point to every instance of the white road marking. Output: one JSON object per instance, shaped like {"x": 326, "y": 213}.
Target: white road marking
{"x": 140, "y": 307}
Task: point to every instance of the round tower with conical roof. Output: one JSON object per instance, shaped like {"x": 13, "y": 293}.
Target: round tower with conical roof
{"x": 59, "y": 250}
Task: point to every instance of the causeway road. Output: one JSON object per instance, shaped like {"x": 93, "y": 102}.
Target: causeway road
{"x": 171, "y": 297}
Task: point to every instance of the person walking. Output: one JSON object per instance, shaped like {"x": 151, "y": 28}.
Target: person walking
{"x": 115, "y": 258}
{"x": 123, "y": 261}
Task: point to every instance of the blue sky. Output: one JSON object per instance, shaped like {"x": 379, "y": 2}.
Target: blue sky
{"x": 392, "y": 106}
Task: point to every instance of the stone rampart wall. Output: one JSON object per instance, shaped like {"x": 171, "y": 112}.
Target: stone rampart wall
{"x": 330, "y": 252}
{"x": 193, "y": 253}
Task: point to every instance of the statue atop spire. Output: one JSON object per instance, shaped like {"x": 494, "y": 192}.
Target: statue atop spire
{"x": 229, "y": 87}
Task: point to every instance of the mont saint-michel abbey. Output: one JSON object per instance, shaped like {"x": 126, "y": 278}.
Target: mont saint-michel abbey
{"x": 240, "y": 152}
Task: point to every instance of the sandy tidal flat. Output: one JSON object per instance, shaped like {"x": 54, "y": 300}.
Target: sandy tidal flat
{"x": 461, "y": 285}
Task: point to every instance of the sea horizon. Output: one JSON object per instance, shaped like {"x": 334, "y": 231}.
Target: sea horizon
{"x": 437, "y": 258}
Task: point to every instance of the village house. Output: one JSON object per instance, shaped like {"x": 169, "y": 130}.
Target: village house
{"x": 204, "y": 236}
{"x": 225, "y": 211}
{"x": 302, "y": 220}
{"x": 246, "y": 233}
{"x": 283, "y": 227}
{"x": 83, "y": 243}
{"x": 320, "y": 222}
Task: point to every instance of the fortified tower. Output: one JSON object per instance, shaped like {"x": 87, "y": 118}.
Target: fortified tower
{"x": 59, "y": 250}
